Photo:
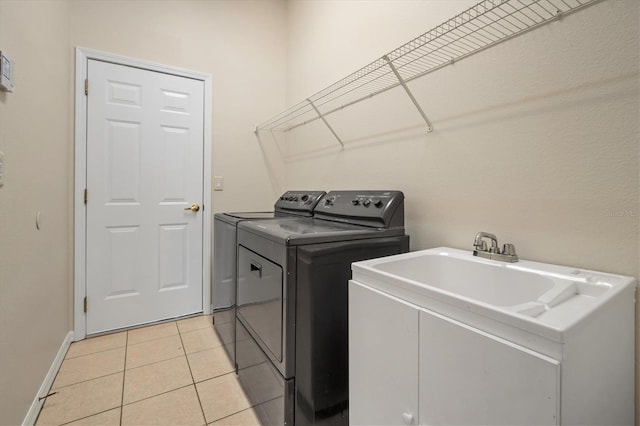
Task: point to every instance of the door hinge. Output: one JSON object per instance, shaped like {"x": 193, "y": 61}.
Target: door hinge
{"x": 86, "y": 195}
{"x": 86, "y": 86}
{"x": 85, "y": 304}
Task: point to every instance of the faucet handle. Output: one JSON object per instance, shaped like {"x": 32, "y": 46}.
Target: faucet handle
{"x": 509, "y": 249}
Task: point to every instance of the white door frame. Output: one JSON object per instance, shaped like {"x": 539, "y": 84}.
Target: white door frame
{"x": 80, "y": 219}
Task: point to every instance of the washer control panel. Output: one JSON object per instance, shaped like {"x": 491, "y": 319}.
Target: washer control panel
{"x": 298, "y": 201}
{"x": 371, "y": 208}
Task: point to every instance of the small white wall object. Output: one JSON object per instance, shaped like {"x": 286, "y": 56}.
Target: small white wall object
{"x": 7, "y": 73}
{"x": 218, "y": 183}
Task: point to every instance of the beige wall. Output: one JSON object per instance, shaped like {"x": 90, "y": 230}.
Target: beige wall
{"x": 35, "y": 137}
{"x": 240, "y": 43}
{"x": 35, "y": 268}
{"x": 535, "y": 140}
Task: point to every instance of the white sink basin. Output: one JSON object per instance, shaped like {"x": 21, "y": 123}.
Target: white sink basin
{"x": 529, "y": 294}
{"x": 486, "y": 282}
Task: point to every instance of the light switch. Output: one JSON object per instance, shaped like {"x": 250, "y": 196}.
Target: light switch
{"x": 1, "y": 169}
{"x": 218, "y": 183}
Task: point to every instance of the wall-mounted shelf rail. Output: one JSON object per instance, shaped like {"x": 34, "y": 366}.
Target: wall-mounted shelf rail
{"x": 484, "y": 25}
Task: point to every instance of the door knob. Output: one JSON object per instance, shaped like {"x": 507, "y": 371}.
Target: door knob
{"x": 194, "y": 207}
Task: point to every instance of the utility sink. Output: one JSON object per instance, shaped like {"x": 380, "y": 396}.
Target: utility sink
{"x": 532, "y": 295}
{"x": 456, "y": 339}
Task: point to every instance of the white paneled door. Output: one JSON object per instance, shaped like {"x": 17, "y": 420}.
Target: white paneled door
{"x": 144, "y": 171}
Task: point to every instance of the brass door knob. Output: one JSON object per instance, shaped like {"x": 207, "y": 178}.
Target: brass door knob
{"x": 194, "y": 207}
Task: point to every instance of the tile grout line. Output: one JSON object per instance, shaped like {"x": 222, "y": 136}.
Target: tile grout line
{"x": 233, "y": 414}
{"x": 87, "y": 380}
{"x": 91, "y": 379}
{"x": 143, "y": 326}
{"x": 193, "y": 380}
{"x": 213, "y": 377}
{"x": 154, "y": 339}
{"x": 93, "y": 353}
{"x": 153, "y": 396}
{"x": 194, "y": 329}
{"x": 73, "y": 358}
{"x": 164, "y": 337}
{"x": 126, "y": 346}
{"x": 154, "y": 362}
{"x": 205, "y": 349}
{"x": 86, "y": 417}
{"x": 209, "y": 326}
{"x": 124, "y": 374}
{"x": 251, "y": 407}
{"x": 106, "y": 374}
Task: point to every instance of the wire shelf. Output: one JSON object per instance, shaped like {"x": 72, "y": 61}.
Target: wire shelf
{"x": 484, "y": 25}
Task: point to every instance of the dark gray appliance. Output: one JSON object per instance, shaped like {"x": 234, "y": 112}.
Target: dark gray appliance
{"x": 291, "y": 319}
{"x": 290, "y": 204}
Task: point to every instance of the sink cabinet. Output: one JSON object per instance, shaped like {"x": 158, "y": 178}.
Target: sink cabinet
{"x": 409, "y": 364}
{"x": 467, "y": 376}
{"x": 383, "y": 358}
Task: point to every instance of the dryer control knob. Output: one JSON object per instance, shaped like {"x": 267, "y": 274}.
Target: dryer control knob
{"x": 378, "y": 203}
{"x": 355, "y": 201}
{"x": 366, "y": 202}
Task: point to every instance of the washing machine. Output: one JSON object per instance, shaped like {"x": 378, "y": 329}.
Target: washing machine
{"x": 290, "y": 204}
{"x": 292, "y": 293}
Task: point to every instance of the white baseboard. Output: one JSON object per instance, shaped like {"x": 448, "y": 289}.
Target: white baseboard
{"x": 36, "y": 405}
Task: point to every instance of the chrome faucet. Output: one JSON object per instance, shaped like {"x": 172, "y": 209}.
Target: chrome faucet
{"x": 507, "y": 254}
{"x": 481, "y": 245}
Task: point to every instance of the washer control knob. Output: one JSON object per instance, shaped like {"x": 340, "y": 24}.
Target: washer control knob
{"x": 378, "y": 203}
{"x": 305, "y": 198}
{"x": 366, "y": 202}
{"x": 355, "y": 202}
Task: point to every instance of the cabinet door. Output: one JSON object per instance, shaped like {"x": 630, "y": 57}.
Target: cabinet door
{"x": 471, "y": 377}
{"x": 383, "y": 359}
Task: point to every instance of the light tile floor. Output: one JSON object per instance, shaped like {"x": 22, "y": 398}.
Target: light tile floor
{"x": 175, "y": 373}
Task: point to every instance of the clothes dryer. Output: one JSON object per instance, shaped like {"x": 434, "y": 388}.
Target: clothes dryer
{"x": 290, "y": 204}
{"x": 292, "y": 289}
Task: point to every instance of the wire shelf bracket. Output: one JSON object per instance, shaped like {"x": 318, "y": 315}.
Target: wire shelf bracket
{"x": 324, "y": 120}
{"x": 406, "y": 88}
{"x": 480, "y": 27}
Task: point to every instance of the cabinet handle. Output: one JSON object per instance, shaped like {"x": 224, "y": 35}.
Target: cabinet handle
{"x": 407, "y": 418}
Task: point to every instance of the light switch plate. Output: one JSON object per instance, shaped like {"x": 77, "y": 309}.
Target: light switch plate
{"x": 218, "y": 183}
